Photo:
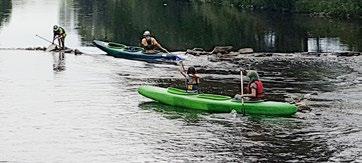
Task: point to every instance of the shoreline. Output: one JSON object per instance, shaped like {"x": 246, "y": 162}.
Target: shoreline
{"x": 225, "y": 53}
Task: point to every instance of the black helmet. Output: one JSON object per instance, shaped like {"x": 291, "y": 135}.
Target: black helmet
{"x": 191, "y": 70}
{"x": 55, "y": 27}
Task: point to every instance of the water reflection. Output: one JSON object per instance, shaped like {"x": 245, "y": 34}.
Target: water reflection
{"x": 29, "y": 18}
{"x": 170, "y": 112}
{"x": 68, "y": 20}
{"x": 180, "y": 25}
{"x": 59, "y": 61}
{"x": 5, "y": 10}
{"x": 326, "y": 44}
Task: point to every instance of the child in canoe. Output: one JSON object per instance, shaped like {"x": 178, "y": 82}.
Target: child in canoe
{"x": 192, "y": 79}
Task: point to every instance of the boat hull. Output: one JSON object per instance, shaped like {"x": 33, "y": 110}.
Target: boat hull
{"x": 135, "y": 53}
{"x": 215, "y": 103}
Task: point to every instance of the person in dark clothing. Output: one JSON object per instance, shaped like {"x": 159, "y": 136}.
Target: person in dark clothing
{"x": 192, "y": 79}
{"x": 150, "y": 44}
{"x": 59, "y": 34}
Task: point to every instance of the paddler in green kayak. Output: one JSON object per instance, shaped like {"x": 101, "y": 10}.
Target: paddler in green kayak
{"x": 59, "y": 34}
{"x": 255, "y": 88}
{"x": 192, "y": 79}
{"x": 150, "y": 44}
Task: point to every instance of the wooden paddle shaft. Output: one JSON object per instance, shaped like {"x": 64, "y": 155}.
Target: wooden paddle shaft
{"x": 241, "y": 86}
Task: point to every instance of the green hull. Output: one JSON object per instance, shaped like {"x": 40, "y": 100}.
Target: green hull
{"x": 215, "y": 103}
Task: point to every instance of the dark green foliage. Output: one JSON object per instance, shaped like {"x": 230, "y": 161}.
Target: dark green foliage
{"x": 5, "y": 7}
{"x": 340, "y": 8}
{"x": 335, "y": 8}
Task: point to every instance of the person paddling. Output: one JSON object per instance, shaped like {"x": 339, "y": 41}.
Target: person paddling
{"x": 192, "y": 79}
{"x": 255, "y": 88}
{"x": 150, "y": 44}
{"x": 59, "y": 33}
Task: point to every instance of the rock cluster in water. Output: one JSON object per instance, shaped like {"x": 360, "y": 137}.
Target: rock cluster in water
{"x": 225, "y": 53}
{"x": 67, "y": 50}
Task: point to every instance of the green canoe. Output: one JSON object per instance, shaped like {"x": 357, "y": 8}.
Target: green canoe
{"x": 215, "y": 103}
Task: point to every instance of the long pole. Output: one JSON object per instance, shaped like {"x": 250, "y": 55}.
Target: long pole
{"x": 241, "y": 87}
{"x": 47, "y": 40}
{"x": 44, "y": 39}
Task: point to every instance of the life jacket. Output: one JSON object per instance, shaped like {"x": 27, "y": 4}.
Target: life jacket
{"x": 150, "y": 45}
{"x": 60, "y": 32}
{"x": 259, "y": 88}
{"x": 191, "y": 87}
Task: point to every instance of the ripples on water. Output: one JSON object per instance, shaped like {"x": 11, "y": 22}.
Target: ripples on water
{"x": 91, "y": 112}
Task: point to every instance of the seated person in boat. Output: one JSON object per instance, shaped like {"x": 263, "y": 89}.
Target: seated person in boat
{"x": 192, "y": 79}
{"x": 150, "y": 44}
{"x": 255, "y": 89}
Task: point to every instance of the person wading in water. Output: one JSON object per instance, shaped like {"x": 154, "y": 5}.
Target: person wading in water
{"x": 59, "y": 33}
{"x": 150, "y": 44}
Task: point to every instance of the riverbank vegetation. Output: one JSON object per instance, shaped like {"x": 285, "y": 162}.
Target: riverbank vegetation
{"x": 329, "y": 8}
{"x": 5, "y": 7}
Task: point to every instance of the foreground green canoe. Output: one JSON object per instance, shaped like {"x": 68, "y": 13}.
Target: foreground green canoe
{"x": 215, "y": 103}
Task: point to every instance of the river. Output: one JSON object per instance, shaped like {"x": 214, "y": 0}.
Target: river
{"x": 88, "y": 108}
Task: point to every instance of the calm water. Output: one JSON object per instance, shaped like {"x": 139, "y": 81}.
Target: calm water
{"x": 88, "y": 110}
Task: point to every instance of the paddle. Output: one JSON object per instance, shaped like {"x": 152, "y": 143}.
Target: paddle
{"x": 242, "y": 87}
{"x": 242, "y": 90}
{"x": 51, "y": 47}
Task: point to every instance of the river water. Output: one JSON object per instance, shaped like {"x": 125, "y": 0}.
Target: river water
{"x": 88, "y": 109}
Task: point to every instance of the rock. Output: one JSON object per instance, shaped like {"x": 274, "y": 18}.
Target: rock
{"x": 264, "y": 55}
{"x": 77, "y": 52}
{"x": 68, "y": 51}
{"x": 302, "y": 107}
{"x": 315, "y": 54}
{"x": 346, "y": 54}
{"x": 40, "y": 48}
{"x": 34, "y": 48}
{"x": 246, "y": 51}
{"x": 232, "y": 54}
{"x": 314, "y": 93}
{"x": 213, "y": 58}
{"x": 198, "y": 49}
{"x": 222, "y": 49}
{"x": 197, "y": 52}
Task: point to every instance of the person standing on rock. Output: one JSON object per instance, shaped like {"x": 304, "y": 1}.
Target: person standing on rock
{"x": 150, "y": 44}
{"x": 59, "y": 33}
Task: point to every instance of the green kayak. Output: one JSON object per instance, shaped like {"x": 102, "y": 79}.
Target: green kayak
{"x": 215, "y": 103}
